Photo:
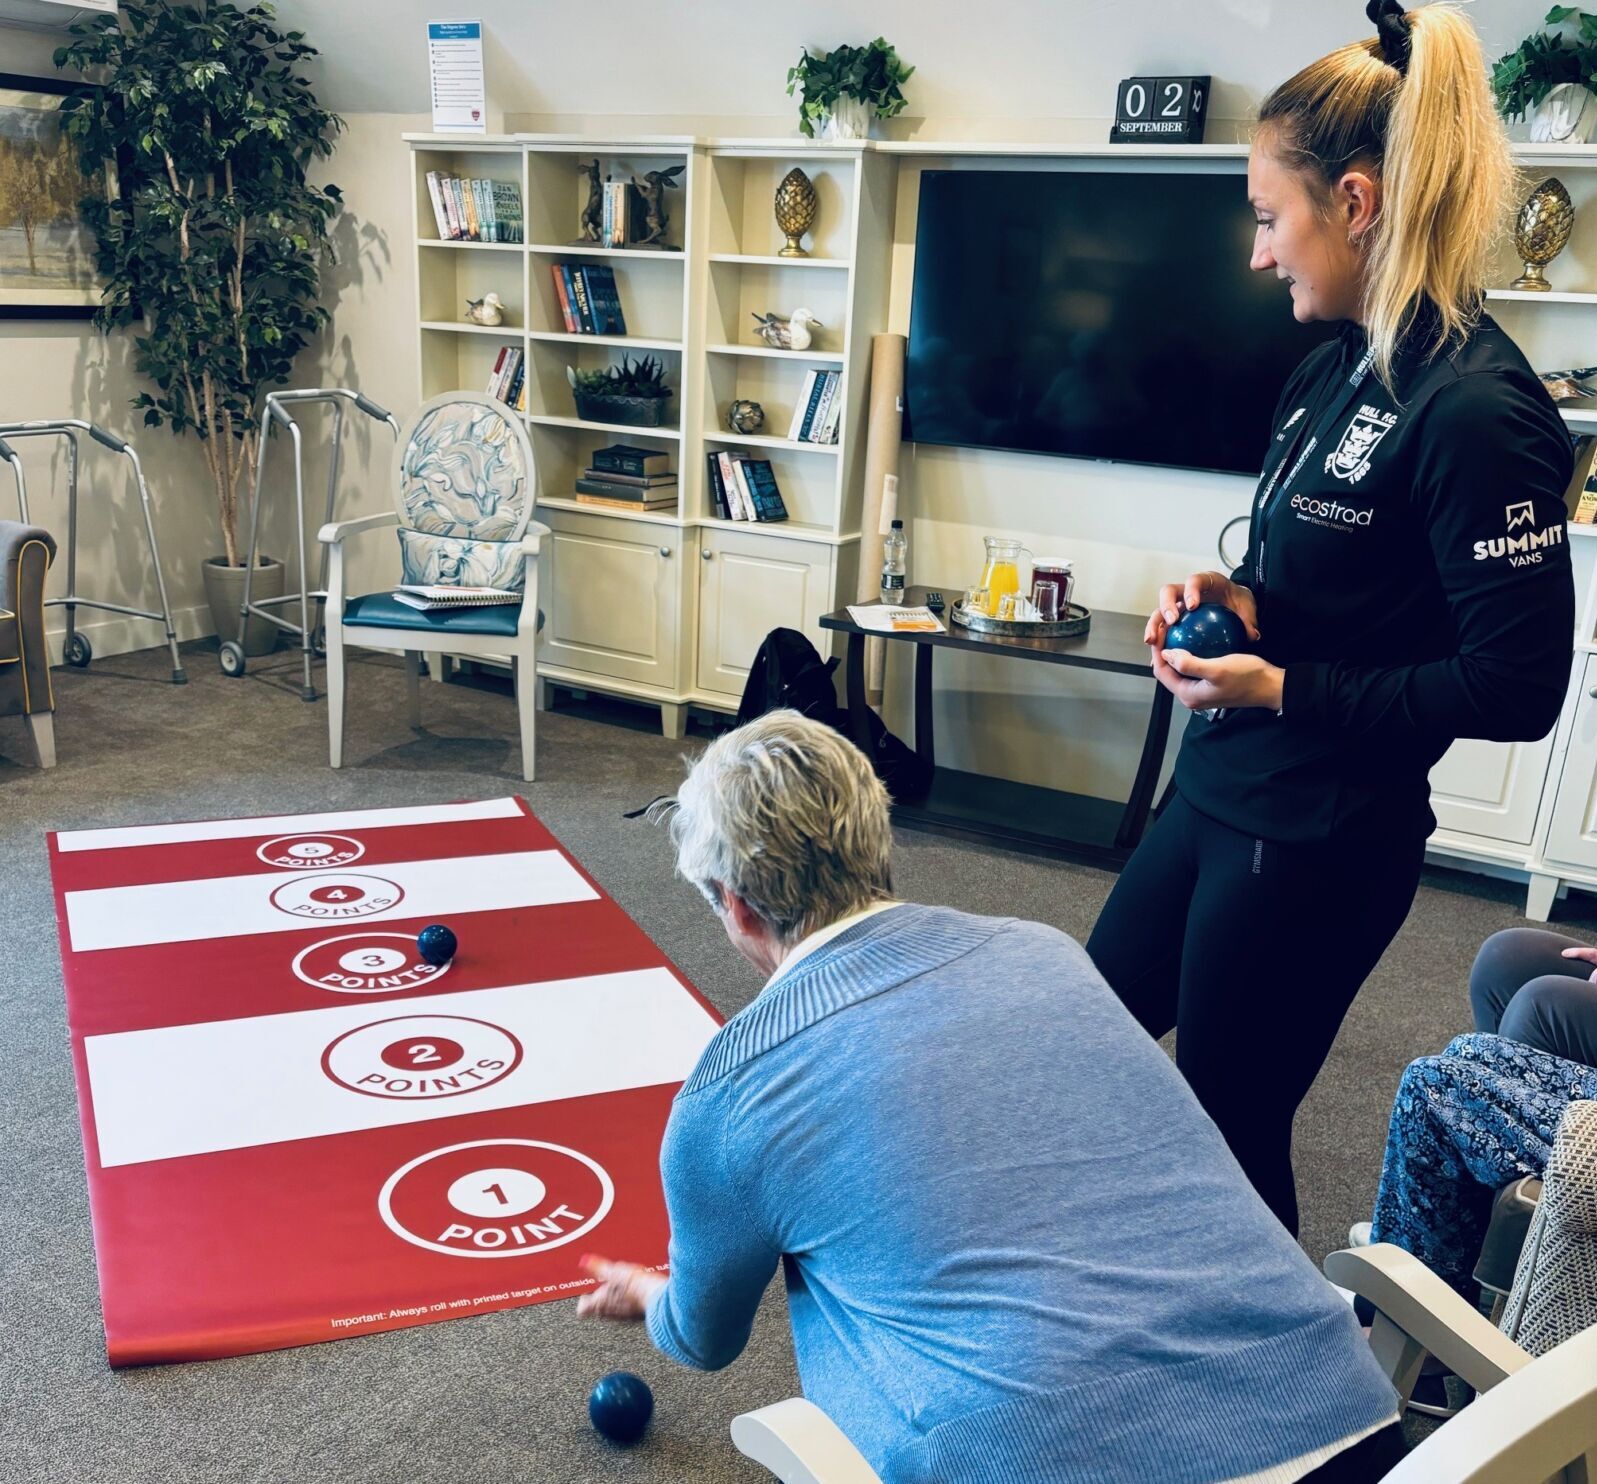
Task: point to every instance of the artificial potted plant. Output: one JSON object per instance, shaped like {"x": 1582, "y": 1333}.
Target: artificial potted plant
{"x": 1550, "y": 76}
{"x": 634, "y": 392}
{"x": 846, "y": 88}
{"x": 212, "y": 252}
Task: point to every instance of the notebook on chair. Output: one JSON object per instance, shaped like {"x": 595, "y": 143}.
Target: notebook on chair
{"x": 424, "y": 596}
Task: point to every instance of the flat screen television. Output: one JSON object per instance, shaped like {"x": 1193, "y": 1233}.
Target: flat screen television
{"x": 1096, "y": 315}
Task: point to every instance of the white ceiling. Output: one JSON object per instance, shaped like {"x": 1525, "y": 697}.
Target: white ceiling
{"x": 1002, "y": 59}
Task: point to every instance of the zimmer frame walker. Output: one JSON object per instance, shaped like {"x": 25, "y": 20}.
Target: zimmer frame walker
{"x": 231, "y": 655}
{"x": 76, "y": 649}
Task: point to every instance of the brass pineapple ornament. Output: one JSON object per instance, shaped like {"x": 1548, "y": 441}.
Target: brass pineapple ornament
{"x": 1541, "y": 232}
{"x": 795, "y": 210}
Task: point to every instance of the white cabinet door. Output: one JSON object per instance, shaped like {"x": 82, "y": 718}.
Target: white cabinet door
{"x": 749, "y": 585}
{"x": 1572, "y": 836}
{"x": 611, "y": 592}
{"x": 1490, "y": 789}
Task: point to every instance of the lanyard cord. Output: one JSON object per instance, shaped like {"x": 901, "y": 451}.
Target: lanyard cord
{"x": 1275, "y": 488}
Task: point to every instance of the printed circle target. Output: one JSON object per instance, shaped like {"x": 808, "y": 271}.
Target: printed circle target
{"x": 496, "y": 1198}
{"x": 422, "y": 1056}
{"x": 337, "y": 898}
{"x": 365, "y": 963}
{"x": 311, "y": 852}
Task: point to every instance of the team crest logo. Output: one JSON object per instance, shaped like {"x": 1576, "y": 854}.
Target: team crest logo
{"x": 1522, "y": 513}
{"x": 1350, "y": 460}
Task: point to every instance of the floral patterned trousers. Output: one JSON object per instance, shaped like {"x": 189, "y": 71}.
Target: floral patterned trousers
{"x": 1464, "y": 1124}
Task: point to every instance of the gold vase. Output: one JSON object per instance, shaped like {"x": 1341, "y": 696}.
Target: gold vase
{"x": 795, "y": 210}
{"x": 1541, "y": 232}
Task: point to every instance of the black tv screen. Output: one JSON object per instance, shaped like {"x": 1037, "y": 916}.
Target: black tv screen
{"x": 1096, "y": 315}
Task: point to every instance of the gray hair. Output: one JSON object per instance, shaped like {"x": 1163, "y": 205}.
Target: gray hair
{"x": 786, "y": 814}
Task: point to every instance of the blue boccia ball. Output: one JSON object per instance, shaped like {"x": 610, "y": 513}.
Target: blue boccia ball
{"x": 620, "y": 1407}
{"x": 436, "y": 943}
{"x": 1209, "y": 631}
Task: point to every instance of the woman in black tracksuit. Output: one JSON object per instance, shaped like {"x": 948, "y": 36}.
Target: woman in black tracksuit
{"x": 1406, "y": 582}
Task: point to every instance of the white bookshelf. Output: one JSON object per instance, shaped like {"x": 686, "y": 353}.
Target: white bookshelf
{"x": 668, "y": 605}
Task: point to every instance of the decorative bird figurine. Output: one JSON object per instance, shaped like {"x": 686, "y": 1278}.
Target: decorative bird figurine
{"x": 792, "y": 333}
{"x": 488, "y": 310}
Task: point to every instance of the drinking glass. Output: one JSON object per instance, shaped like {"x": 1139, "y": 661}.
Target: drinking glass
{"x": 1045, "y": 596}
{"x": 1009, "y": 606}
{"x": 976, "y": 599}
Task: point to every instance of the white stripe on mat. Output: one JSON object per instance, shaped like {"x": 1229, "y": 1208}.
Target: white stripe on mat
{"x": 282, "y": 824}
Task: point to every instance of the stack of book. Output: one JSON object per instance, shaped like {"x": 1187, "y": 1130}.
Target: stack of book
{"x": 616, "y": 230}
{"x": 743, "y": 487}
{"x": 508, "y": 380}
{"x": 626, "y": 478}
{"x": 819, "y": 406}
{"x": 589, "y": 302}
{"x": 475, "y": 210}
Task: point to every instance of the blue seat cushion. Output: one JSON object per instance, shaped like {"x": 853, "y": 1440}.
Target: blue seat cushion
{"x": 384, "y": 611}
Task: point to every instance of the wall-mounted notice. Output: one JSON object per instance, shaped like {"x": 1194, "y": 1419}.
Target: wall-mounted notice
{"x": 460, "y": 95}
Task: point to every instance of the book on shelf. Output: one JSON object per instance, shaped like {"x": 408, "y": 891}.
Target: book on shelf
{"x": 616, "y": 230}
{"x": 427, "y": 595}
{"x": 813, "y": 413}
{"x": 604, "y": 300}
{"x": 504, "y": 382}
{"x": 626, "y": 458}
{"x": 718, "y": 501}
{"x": 516, "y": 391}
{"x": 475, "y": 209}
{"x": 831, "y": 380}
{"x": 590, "y": 483}
{"x": 764, "y": 495}
{"x": 607, "y": 503}
{"x": 746, "y": 486}
{"x": 579, "y": 288}
{"x": 1581, "y": 498}
{"x": 558, "y": 273}
{"x": 729, "y": 482}
{"x": 633, "y": 481}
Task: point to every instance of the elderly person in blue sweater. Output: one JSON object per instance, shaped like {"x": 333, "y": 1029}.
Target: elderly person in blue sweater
{"x": 1014, "y": 1246}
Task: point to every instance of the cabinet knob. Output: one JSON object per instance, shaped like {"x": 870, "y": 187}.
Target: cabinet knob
{"x": 706, "y": 555}
{"x": 665, "y": 551}
{"x": 1593, "y": 693}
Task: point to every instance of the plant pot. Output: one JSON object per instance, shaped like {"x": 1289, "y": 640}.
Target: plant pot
{"x": 849, "y": 119}
{"x": 224, "y": 591}
{"x": 635, "y": 412}
{"x": 1567, "y": 115}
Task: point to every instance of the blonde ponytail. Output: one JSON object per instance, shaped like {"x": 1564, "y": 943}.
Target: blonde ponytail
{"x": 1447, "y": 172}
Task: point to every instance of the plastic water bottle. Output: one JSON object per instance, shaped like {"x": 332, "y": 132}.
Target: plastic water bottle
{"x": 895, "y": 564}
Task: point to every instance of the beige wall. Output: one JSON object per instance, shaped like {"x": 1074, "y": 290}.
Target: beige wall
{"x": 1032, "y": 69}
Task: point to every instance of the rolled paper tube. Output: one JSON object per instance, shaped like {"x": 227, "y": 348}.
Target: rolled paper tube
{"x": 883, "y": 436}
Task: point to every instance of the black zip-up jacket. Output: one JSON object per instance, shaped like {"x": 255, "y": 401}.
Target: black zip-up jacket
{"x": 1414, "y": 583}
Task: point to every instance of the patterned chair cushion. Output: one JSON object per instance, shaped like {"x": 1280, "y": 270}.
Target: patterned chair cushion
{"x": 452, "y": 562}
{"x": 463, "y": 475}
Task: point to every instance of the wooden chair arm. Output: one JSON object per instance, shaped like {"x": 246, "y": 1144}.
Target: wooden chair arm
{"x": 800, "y": 1444}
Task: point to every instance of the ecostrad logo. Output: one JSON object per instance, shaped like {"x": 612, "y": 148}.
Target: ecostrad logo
{"x": 1332, "y": 512}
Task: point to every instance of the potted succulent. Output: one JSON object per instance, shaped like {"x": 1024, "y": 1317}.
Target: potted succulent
{"x": 1549, "y": 77}
{"x": 634, "y": 392}
{"x": 212, "y": 254}
{"x": 846, "y": 88}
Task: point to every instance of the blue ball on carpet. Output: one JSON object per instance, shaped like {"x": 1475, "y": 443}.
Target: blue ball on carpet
{"x": 620, "y": 1407}
{"x": 1208, "y": 632}
{"x": 436, "y": 944}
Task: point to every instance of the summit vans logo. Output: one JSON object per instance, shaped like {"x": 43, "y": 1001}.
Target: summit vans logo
{"x": 1524, "y": 550}
{"x": 1350, "y": 459}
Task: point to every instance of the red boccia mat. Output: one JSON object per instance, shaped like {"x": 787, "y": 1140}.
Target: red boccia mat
{"x": 296, "y": 1129}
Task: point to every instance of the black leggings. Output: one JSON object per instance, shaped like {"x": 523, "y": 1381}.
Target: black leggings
{"x": 1198, "y": 935}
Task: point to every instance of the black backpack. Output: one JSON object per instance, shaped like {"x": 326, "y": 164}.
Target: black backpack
{"x": 789, "y": 671}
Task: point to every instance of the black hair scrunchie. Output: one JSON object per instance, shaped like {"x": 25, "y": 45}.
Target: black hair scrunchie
{"x": 1392, "y": 26}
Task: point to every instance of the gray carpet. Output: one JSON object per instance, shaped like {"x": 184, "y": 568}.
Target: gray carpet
{"x": 497, "y": 1396}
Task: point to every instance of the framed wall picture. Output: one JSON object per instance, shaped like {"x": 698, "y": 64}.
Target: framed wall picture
{"x": 46, "y": 251}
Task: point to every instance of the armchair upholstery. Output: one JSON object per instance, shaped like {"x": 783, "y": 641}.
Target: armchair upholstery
{"x": 25, "y": 690}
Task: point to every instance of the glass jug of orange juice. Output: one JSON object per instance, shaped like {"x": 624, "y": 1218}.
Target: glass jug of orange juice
{"x": 1001, "y": 573}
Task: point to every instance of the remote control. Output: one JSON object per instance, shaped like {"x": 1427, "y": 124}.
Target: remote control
{"x": 934, "y": 601}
